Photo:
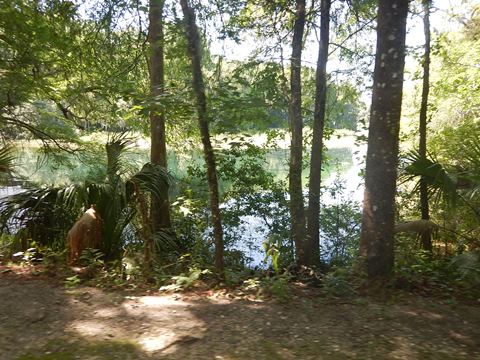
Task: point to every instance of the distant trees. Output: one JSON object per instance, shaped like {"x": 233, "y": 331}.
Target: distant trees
{"x": 78, "y": 74}
{"x": 62, "y": 73}
{"x": 376, "y": 241}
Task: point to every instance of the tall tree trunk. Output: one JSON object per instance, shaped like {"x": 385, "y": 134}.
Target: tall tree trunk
{"x": 194, "y": 53}
{"x": 422, "y": 149}
{"x": 376, "y": 238}
{"x": 313, "y": 216}
{"x": 160, "y": 207}
{"x": 295, "y": 175}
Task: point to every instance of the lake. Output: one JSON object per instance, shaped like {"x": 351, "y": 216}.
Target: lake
{"x": 345, "y": 162}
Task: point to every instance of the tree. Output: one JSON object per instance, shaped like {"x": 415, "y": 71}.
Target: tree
{"x": 158, "y": 151}
{"x": 422, "y": 148}
{"x": 295, "y": 113}
{"x": 194, "y": 53}
{"x": 62, "y": 73}
{"x": 313, "y": 217}
{"x": 376, "y": 239}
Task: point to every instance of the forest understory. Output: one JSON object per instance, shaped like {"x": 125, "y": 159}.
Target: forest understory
{"x": 42, "y": 319}
{"x": 271, "y": 179}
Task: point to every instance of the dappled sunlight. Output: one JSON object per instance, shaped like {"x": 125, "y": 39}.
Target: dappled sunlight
{"x": 430, "y": 315}
{"x": 461, "y": 338}
{"x": 107, "y": 312}
{"x": 156, "y": 301}
{"x": 154, "y": 323}
{"x": 94, "y": 328}
{"x": 92, "y": 323}
{"x": 404, "y": 348}
{"x": 157, "y": 342}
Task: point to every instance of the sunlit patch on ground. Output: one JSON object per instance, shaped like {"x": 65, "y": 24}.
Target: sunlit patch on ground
{"x": 158, "y": 342}
{"x": 97, "y": 324}
{"x": 107, "y": 312}
{"x": 154, "y": 301}
{"x": 96, "y": 328}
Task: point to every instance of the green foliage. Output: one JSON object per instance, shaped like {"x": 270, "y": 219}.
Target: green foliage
{"x": 131, "y": 264}
{"x": 272, "y": 251}
{"x": 340, "y": 225}
{"x": 8, "y": 246}
{"x": 453, "y": 180}
{"x": 343, "y": 107}
{"x": 440, "y": 183}
{"x": 42, "y": 214}
{"x": 277, "y": 286}
{"x": 418, "y": 271}
{"x": 6, "y": 162}
{"x": 249, "y": 190}
{"x": 72, "y": 281}
{"x": 455, "y": 72}
{"x": 92, "y": 258}
{"x": 248, "y": 98}
{"x": 62, "y": 71}
{"x": 338, "y": 283}
{"x": 48, "y": 213}
{"x": 468, "y": 266}
{"x": 185, "y": 281}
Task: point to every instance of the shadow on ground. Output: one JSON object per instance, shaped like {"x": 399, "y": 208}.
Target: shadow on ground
{"x": 39, "y": 321}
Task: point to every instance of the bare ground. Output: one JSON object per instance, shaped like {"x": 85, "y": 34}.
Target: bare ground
{"x": 40, "y": 320}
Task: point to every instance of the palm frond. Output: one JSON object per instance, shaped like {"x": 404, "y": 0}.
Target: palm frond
{"x": 468, "y": 265}
{"x": 154, "y": 179}
{"x": 472, "y": 173}
{"x": 38, "y": 214}
{"x": 6, "y": 163}
{"x": 6, "y": 159}
{"x": 439, "y": 182}
{"x": 115, "y": 148}
{"x": 165, "y": 241}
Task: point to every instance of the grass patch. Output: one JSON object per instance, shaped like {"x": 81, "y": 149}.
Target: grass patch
{"x": 62, "y": 349}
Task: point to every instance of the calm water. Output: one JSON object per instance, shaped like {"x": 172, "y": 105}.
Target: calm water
{"x": 344, "y": 164}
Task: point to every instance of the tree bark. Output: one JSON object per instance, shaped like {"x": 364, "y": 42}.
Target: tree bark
{"x": 313, "y": 216}
{"x": 295, "y": 112}
{"x": 422, "y": 149}
{"x": 194, "y": 53}
{"x": 377, "y": 237}
{"x": 160, "y": 207}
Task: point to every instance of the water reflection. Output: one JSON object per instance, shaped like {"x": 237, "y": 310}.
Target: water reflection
{"x": 343, "y": 164}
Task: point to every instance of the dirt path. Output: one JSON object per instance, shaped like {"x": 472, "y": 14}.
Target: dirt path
{"x": 41, "y": 321}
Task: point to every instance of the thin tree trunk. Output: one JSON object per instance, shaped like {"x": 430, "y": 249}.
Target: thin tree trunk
{"x": 295, "y": 175}
{"x": 422, "y": 150}
{"x": 199, "y": 88}
{"x": 148, "y": 249}
{"x": 313, "y": 216}
{"x": 377, "y": 238}
{"x": 160, "y": 207}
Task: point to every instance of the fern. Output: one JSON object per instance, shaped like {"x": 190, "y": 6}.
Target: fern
{"x": 468, "y": 266}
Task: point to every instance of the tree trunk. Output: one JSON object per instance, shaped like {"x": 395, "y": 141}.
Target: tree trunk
{"x": 376, "y": 238}
{"x": 313, "y": 216}
{"x": 160, "y": 207}
{"x": 149, "y": 248}
{"x": 296, "y": 123}
{"x": 199, "y": 89}
{"x": 422, "y": 149}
